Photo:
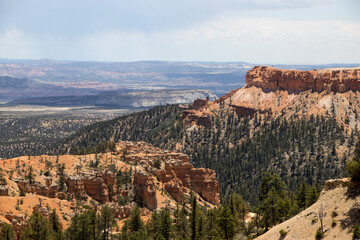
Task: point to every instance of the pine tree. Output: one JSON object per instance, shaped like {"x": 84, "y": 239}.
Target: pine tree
{"x": 2, "y": 178}
{"x": 37, "y": 228}
{"x": 61, "y": 173}
{"x": 153, "y": 225}
{"x": 135, "y": 223}
{"x": 226, "y": 223}
{"x": 30, "y": 175}
{"x": 165, "y": 223}
{"x": 302, "y": 195}
{"x": 312, "y": 196}
{"x": 7, "y": 232}
{"x": 107, "y": 221}
{"x": 181, "y": 222}
{"x": 193, "y": 218}
{"x": 55, "y": 225}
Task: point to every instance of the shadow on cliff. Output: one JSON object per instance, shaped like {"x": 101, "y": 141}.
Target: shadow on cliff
{"x": 352, "y": 217}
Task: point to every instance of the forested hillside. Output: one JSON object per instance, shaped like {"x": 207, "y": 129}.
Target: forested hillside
{"x": 238, "y": 148}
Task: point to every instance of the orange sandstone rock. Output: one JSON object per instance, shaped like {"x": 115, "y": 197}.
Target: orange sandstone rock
{"x": 330, "y": 80}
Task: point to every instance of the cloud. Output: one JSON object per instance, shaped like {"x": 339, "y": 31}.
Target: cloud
{"x": 274, "y": 41}
{"x": 178, "y": 30}
{"x": 74, "y": 18}
{"x": 258, "y": 40}
{"x": 16, "y": 44}
{"x": 224, "y": 38}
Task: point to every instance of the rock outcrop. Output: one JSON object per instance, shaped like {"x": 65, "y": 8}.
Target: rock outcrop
{"x": 49, "y": 189}
{"x": 146, "y": 189}
{"x": 330, "y": 80}
{"x": 191, "y": 116}
{"x": 4, "y": 191}
{"x": 172, "y": 171}
{"x": 134, "y": 172}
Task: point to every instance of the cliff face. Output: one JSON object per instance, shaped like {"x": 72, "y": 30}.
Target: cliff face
{"x": 171, "y": 171}
{"x": 272, "y": 92}
{"x": 330, "y": 80}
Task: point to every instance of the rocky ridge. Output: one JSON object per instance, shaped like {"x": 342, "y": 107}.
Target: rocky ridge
{"x": 330, "y": 80}
{"x": 134, "y": 172}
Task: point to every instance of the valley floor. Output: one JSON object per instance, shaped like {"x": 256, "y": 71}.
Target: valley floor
{"x": 29, "y": 129}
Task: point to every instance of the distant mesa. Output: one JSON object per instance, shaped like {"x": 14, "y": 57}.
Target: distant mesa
{"x": 330, "y": 80}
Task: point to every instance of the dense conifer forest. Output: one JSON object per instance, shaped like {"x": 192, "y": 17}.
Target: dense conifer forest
{"x": 238, "y": 148}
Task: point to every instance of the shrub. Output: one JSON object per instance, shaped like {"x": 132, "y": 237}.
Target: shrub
{"x": 314, "y": 220}
{"x": 282, "y": 233}
{"x": 22, "y": 192}
{"x": 353, "y": 169}
{"x": 356, "y": 232}
{"x": 319, "y": 234}
{"x": 157, "y": 163}
{"x": 333, "y": 223}
{"x": 334, "y": 214}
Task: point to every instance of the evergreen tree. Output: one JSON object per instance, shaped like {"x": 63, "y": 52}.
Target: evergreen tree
{"x": 226, "y": 223}
{"x": 273, "y": 199}
{"x": 193, "y": 218}
{"x": 2, "y": 178}
{"x": 135, "y": 223}
{"x": 302, "y": 195}
{"x": 30, "y": 175}
{"x": 153, "y": 225}
{"x": 107, "y": 221}
{"x": 37, "y": 228}
{"x": 312, "y": 196}
{"x": 181, "y": 222}
{"x": 165, "y": 223}
{"x": 353, "y": 169}
{"x": 212, "y": 228}
{"x": 7, "y": 232}
{"x": 61, "y": 174}
{"x": 55, "y": 225}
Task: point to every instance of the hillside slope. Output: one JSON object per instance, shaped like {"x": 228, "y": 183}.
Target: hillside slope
{"x": 340, "y": 200}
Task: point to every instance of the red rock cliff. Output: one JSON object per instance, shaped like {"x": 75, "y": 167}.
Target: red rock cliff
{"x": 331, "y": 80}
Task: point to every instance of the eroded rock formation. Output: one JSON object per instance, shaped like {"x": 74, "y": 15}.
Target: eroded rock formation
{"x": 172, "y": 171}
{"x": 330, "y": 80}
{"x": 135, "y": 172}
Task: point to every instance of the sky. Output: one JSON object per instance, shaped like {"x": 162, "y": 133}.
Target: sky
{"x": 256, "y": 31}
